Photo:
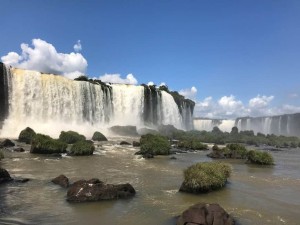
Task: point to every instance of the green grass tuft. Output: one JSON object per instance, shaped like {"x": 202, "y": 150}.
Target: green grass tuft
{"x": 70, "y": 137}
{"x": 258, "y": 157}
{"x": 82, "y": 148}
{"x": 44, "y": 144}
{"x": 154, "y": 144}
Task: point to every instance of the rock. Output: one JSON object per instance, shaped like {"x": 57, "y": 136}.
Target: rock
{"x": 148, "y": 156}
{"x": 173, "y": 157}
{"x": 96, "y": 190}
{"x": 98, "y": 136}
{"x": 136, "y": 144}
{"x": 7, "y": 143}
{"x": 22, "y": 180}
{"x": 216, "y": 155}
{"x": 124, "y": 143}
{"x": 4, "y": 176}
{"x": 205, "y": 214}
{"x": 26, "y": 135}
{"x": 61, "y": 180}
{"x": 18, "y": 149}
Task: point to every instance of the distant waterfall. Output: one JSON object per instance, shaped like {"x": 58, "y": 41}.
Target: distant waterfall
{"x": 51, "y": 103}
{"x": 209, "y": 124}
{"x": 288, "y": 125}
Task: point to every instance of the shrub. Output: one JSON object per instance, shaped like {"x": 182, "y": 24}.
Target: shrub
{"x": 236, "y": 151}
{"x": 193, "y": 144}
{"x": 98, "y": 137}
{"x": 70, "y": 137}
{"x": 154, "y": 144}
{"x": 258, "y": 157}
{"x": 206, "y": 176}
{"x": 44, "y": 144}
{"x": 82, "y": 148}
{"x": 26, "y": 135}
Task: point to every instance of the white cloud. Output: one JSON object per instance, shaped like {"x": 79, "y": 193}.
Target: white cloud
{"x": 162, "y": 84}
{"x": 77, "y": 47}
{"x": 116, "y": 78}
{"x": 43, "y": 56}
{"x": 189, "y": 93}
{"x": 260, "y": 101}
{"x": 293, "y": 95}
{"x": 150, "y": 83}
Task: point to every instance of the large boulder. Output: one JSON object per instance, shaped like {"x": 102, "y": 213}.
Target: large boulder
{"x": 26, "y": 135}
{"x": 154, "y": 145}
{"x": 98, "y": 136}
{"x": 61, "y": 180}
{"x": 82, "y": 148}
{"x": 71, "y": 137}
{"x": 4, "y": 176}
{"x": 96, "y": 190}
{"x": 205, "y": 214}
{"x": 7, "y": 143}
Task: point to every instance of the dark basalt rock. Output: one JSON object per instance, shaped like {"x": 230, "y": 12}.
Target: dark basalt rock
{"x": 18, "y": 149}
{"x": 173, "y": 158}
{"x": 21, "y": 180}
{"x": 4, "y": 176}
{"x": 7, "y": 143}
{"x": 61, "y": 180}
{"x": 216, "y": 155}
{"x": 205, "y": 214}
{"x": 136, "y": 144}
{"x": 96, "y": 190}
{"x": 124, "y": 143}
{"x": 148, "y": 156}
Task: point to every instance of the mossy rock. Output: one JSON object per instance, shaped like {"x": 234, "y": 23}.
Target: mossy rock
{"x": 154, "y": 144}
{"x": 26, "y": 135}
{"x": 235, "y": 151}
{"x": 98, "y": 136}
{"x": 82, "y": 148}
{"x": 1, "y": 155}
{"x": 205, "y": 177}
{"x": 44, "y": 144}
{"x": 71, "y": 137}
{"x": 261, "y": 158}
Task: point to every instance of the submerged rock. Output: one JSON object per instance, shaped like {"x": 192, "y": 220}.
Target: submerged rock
{"x": 124, "y": 143}
{"x": 61, "y": 180}
{"x": 18, "y": 149}
{"x": 205, "y": 214}
{"x": 136, "y": 144}
{"x": 96, "y": 190}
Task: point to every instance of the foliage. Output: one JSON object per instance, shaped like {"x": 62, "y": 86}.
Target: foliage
{"x": 154, "y": 144}
{"x": 82, "y": 78}
{"x": 235, "y": 151}
{"x": 192, "y": 143}
{"x": 44, "y": 144}
{"x": 206, "y": 176}
{"x": 70, "y": 137}
{"x": 82, "y": 148}
{"x": 98, "y": 136}
{"x": 26, "y": 135}
{"x": 259, "y": 157}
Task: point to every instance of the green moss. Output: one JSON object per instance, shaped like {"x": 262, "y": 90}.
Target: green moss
{"x": 206, "y": 176}
{"x": 1, "y": 155}
{"x": 82, "y": 148}
{"x": 97, "y": 136}
{"x": 258, "y": 157}
{"x": 26, "y": 135}
{"x": 70, "y": 137}
{"x": 44, "y": 144}
{"x": 155, "y": 144}
{"x": 235, "y": 151}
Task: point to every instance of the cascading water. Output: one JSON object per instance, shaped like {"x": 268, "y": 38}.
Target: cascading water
{"x": 51, "y": 103}
{"x": 288, "y": 125}
{"x": 209, "y": 124}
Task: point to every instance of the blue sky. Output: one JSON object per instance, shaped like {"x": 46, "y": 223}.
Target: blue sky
{"x": 242, "y": 57}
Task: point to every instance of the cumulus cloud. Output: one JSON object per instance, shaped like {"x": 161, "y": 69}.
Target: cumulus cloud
{"x": 150, "y": 83}
{"x": 116, "y": 78}
{"x": 77, "y": 47}
{"x": 42, "y": 56}
{"x": 189, "y": 93}
{"x": 260, "y": 101}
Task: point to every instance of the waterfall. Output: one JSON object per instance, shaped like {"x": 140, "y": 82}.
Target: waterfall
{"x": 288, "y": 125}
{"x": 209, "y": 124}
{"x": 51, "y": 103}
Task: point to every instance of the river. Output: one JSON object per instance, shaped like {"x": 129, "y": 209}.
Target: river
{"x": 254, "y": 195}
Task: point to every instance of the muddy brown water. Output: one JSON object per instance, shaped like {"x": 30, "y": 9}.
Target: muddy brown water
{"x": 254, "y": 195}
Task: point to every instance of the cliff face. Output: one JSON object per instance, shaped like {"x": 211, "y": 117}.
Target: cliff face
{"x": 3, "y": 93}
{"x": 288, "y": 125}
